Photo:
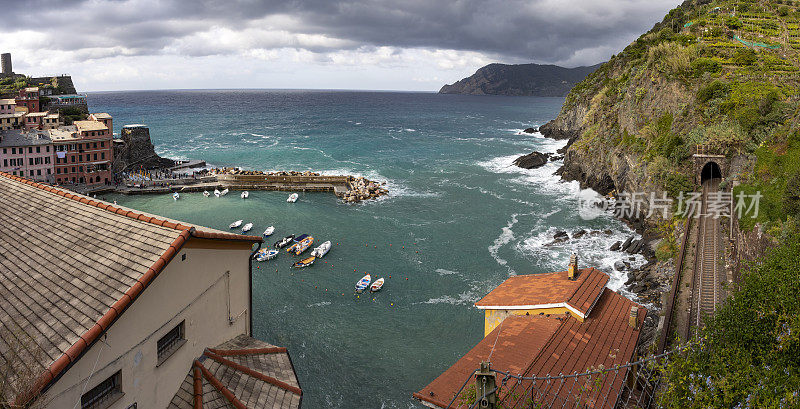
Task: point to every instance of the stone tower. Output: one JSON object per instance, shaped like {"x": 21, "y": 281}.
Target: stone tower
{"x": 5, "y": 62}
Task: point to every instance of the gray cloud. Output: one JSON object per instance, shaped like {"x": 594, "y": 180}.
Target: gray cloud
{"x": 576, "y": 31}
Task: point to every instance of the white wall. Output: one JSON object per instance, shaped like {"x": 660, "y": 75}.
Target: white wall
{"x": 171, "y": 298}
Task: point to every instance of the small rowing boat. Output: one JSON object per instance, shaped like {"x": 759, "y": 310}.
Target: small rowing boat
{"x": 206, "y": 194}
{"x": 245, "y": 194}
{"x": 293, "y": 198}
{"x": 224, "y": 192}
{"x": 284, "y": 241}
{"x": 363, "y": 283}
{"x": 304, "y": 262}
{"x": 377, "y": 285}
{"x": 269, "y": 231}
{"x": 266, "y": 254}
{"x": 236, "y": 224}
{"x": 247, "y": 227}
{"x": 176, "y": 196}
{"x": 217, "y": 192}
{"x": 322, "y": 250}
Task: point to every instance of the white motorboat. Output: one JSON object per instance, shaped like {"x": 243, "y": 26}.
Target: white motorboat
{"x": 206, "y": 194}
{"x": 377, "y": 285}
{"x": 245, "y": 194}
{"x": 247, "y": 227}
{"x": 224, "y": 192}
{"x": 269, "y": 231}
{"x": 266, "y": 254}
{"x": 322, "y": 249}
{"x": 217, "y": 193}
{"x": 176, "y": 196}
{"x": 236, "y": 224}
{"x": 293, "y": 198}
{"x": 363, "y": 283}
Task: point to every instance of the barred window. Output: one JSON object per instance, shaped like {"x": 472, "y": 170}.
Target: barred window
{"x": 104, "y": 394}
{"x": 170, "y": 342}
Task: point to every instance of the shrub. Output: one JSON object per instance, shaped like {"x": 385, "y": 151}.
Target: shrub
{"x": 733, "y": 23}
{"x": 745, "y": 57}
{"x": 783, "y": 11}
{"x": 703, "y": 65}
{"x": 717, "y": 89}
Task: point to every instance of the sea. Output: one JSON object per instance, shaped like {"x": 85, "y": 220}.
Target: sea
{"x": 458, "y": 220}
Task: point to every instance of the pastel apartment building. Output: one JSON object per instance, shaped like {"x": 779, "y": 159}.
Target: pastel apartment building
{"x": 27, "y": 153}
{"x": 29, "y": 98}
{"x": 84, "y": 153}
{"x": 10, "y": 117}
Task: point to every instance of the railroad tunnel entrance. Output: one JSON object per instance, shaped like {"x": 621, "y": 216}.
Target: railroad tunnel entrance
{"x": 711, "y": 170}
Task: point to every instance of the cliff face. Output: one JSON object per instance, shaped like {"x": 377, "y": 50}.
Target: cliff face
{"x": 136, "y": 150}
{"x": 520, "y": 80}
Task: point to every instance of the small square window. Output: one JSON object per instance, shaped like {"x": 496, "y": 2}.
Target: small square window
{"x": 104, "y": 394}
{"x": 170, "y": 342}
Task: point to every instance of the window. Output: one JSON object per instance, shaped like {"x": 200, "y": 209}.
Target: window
{"x": 104, "y": 394}
{"x": 102, "y": 155}
{"x": 30, "y": 150}
{"x": 5, "y": 162}
{"x": 95, "y": 156}
{"x": 38, "y": 172}
{"x": 38, "y": 149}
{"x": 94, "y": 145}
{"x": 170, "y": 342}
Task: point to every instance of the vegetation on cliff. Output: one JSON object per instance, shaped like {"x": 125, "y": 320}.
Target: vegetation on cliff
{"x": 748, "y": 355}
{"x": 721, "y": 74}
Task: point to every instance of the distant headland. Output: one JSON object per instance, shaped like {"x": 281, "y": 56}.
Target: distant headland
{"x": 520, "y": 80}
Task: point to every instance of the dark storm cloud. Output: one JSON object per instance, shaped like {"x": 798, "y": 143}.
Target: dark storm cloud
{"x": 537, "y": 30}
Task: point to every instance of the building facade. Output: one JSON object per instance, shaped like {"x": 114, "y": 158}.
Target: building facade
{"x": 29, "y": 98}
{"x": 83, "y": 152}
{"x": 27, "y": 153}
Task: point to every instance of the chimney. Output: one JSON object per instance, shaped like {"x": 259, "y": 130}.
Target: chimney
{"x": 572, "y": 272}
{"x": 633, "y": 319}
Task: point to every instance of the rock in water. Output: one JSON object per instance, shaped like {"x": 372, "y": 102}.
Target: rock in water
{"x": 531, "y": 130}
{"x": 619, "y": 265}
{"x": 616, "y": 246}
{"x": 532, "y": 160}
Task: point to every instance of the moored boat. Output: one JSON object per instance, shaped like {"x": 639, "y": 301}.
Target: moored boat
{"x": 293, "y": 198}
{"x": 224, "y": 192}
{"x": 303, "y": 245}
{"x": 322, "y": 249}
{"x": 377, "y": 285}
{"x": 245, "y": 194}
{"x": 304, "y": 262}
{"x": 284, "y": 241}
{"x": 266, "y": 254}
{"x": 236, "y": 224}
{"x": 217, "y": 193}
{"x": 269, "y": 231}
{"x": 206, "y": 194}
{"x": 247, "y": 227}
{"x": 176, "y": 196}
{"x": 363, "y": 283}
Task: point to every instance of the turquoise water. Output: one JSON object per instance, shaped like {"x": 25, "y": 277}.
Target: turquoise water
{"x": 459, "y": 219}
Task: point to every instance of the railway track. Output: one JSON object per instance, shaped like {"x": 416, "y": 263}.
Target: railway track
{"x": 708, "y": 274}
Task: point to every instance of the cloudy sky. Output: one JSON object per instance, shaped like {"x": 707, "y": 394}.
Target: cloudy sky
{"x": 329, "y": 44}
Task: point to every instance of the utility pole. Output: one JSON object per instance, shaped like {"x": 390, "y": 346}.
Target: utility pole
{"x": 485, "y": 387}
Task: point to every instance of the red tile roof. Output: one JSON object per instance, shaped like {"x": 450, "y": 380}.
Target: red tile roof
{"x": 72, "y": 265}
{"x": 548, "y": 290}
{"x": 536, "y": 348}
{"x": 516, "y": 342}
{"x": 244, "y": 373}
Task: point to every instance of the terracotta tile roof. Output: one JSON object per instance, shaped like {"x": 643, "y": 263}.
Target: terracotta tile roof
{"x": 537, "y": 348}
{"x": 69, "y": 266}
{"x": 518, "y": 339}
{"x": 548, "y": 290}
{"x": 241, "y": 373}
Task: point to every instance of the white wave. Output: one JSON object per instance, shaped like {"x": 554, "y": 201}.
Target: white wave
{"x": 409, "y": 130}
{"x": 443, "y": 272}
{"x": 505, "y": 237}
{"x": 465, "y": 298}
{"x": 319, "y": 304}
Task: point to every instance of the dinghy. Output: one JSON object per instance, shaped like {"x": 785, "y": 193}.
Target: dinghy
{"x": 322, "y": 250}
{"x": 176, "y": 196}
{"x": 363, "y": 283}
{"x": 284, "y": 241}
{"x": 303, "y": 245}
{"x": 377, "y": 285}
{"x": 293, "y": 198}
{"x": 304, "y": 262}
{"x": 206, "y": 194}
{"x": 236, "y": 224}
{"x": 266, "y": 254}
{"x": 224, "y": 192}
{"x": 269, "y": 231}
{"x": 245, "y": 194}
{"x": 247, "y": 227}
{"x": 217, "y": 192}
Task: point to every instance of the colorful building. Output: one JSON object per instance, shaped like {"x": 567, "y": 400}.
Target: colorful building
{"x": 29, "y": 98}
{"x": 8, "y": 106}
{"x": 27, "y": 153}
{"x": 84, "y": 153}
{"x": 108, "y": 308}
{"x": 549, "y": 324}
